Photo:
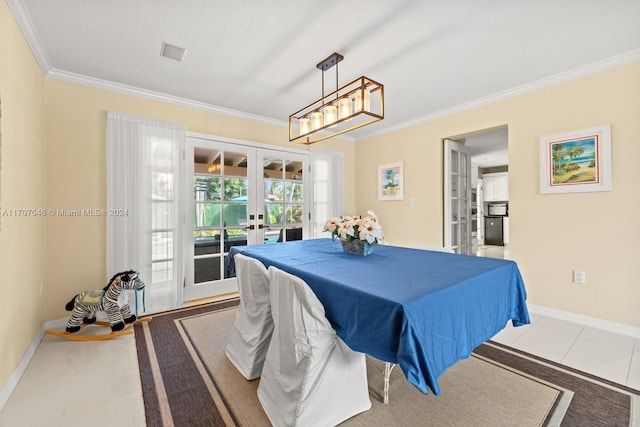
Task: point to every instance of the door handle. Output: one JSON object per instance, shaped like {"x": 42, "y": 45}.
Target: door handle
{"x": 251, "y": 227}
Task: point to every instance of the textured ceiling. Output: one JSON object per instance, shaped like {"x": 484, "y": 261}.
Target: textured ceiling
{"x": 259, "y": 57}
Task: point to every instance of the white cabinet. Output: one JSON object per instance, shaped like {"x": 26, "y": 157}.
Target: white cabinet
{"x": 496, "y": 187}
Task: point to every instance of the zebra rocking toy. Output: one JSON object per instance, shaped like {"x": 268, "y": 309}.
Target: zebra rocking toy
{"x": 87, "y": 304}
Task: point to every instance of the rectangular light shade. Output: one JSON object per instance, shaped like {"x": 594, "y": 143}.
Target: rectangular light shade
{"x": 366, "y": 98}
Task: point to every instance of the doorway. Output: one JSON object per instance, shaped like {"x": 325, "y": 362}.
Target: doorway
{"x": 487, "y": 151}
{"x": 238, "y": 195}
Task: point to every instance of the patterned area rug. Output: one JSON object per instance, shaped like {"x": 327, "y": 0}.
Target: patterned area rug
{"x": 188, "y": 381}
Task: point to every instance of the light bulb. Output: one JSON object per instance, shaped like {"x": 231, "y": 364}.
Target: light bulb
{"x": 330, "y": 115}
{"x": 367, "y": 102}
{"x": 344, "y": 107}
{"x": 305, "y": 125}
{"x": 316, "y": 120}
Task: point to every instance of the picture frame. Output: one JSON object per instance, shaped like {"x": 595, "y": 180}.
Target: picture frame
{"x": 391, "y": 181}
{"x": 576, "y": 162}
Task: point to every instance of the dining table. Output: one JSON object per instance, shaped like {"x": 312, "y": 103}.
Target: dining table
{"x": 421, "y": 309}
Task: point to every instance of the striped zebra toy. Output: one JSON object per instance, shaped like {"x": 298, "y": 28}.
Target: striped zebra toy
{"x": 87, "y": 304}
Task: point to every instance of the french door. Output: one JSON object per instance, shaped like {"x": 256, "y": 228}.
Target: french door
{"x": 457, "y": 197}
{"x": 238, "y": 194}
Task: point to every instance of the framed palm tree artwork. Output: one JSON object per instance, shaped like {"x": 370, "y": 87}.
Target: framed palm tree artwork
{"x": 577, "y": 161}
{"x": 391, "y": 181}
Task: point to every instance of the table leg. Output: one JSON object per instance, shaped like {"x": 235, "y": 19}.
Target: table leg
{"x": 387, "y": 373}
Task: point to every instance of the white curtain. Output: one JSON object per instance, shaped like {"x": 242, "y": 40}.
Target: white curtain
{"x": 327, "y": 169}
{"x": 144, "y": 179}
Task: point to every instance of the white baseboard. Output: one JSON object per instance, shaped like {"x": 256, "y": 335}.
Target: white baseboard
{"x": 22, "y": 366}
{"x": 617, "y": 328}
{"x": 8, "y": 388}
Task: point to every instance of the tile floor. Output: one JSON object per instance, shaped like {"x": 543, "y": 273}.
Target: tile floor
{"x": 70, "y": 384}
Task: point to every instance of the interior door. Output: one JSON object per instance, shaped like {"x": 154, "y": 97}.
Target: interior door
{"x": 457, "y": 197}
{"x": 283, "y": 197}
{"x": 238, "y": 195}
{"x": 480, "y": 211}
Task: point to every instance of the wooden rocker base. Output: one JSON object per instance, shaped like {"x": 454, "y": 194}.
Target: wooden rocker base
{"x": 80, "y": 337}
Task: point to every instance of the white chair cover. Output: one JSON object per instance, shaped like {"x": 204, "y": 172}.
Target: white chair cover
{"x": 251, "y": 332}
{"x": 310, "y": 376}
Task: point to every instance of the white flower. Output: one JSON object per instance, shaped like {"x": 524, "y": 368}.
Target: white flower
{"x": 355, "y": 227}
{"x": 331, "y": 225}
{"x": 370, "y": 231}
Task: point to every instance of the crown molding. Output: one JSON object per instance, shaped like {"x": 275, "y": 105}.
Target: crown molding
{"x": 614, "y": 61}
{"x": 22, "y": 17}
{"x": 158, "y": 96}
{"x": 170, "y": 99}
{"x": 24, "y": 21}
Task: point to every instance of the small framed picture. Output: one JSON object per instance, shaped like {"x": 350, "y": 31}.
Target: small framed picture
{"x": 577, "y": 161}
{"x": 391, "y": 181}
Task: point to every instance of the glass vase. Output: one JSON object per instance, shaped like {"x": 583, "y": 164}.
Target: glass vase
{"x": 357, "y": 247}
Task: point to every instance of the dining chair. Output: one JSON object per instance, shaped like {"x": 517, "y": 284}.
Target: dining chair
{"x": 253, "y": 327}
{"x": 310, "y": 376}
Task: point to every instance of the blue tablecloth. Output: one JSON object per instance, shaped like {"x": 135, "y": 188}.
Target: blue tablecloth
{"x": 423, "y": 310}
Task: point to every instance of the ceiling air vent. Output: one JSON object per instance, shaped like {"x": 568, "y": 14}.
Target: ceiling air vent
{"x": 172, "y": 52}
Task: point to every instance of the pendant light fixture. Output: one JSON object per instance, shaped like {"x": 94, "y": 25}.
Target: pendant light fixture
{"x": 352, "y": 106}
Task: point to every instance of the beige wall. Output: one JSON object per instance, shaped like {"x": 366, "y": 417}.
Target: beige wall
{"x": 22, "y": 181}
{"x": 550, "y": 235}
{"x": 76, "y": 124}
{"x": 53, "y": 157}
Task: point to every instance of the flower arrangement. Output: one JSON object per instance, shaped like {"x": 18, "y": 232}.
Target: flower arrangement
{"x": 350, "y": 228}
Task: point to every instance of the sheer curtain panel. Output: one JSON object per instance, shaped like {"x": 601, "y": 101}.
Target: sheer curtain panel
{"x": 144, "y": 213}
{"x": 327, "y": 170}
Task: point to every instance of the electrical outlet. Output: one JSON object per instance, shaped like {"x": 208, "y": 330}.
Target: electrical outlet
{"x": 411, "y": 203}
{"x": 579, "y": 277}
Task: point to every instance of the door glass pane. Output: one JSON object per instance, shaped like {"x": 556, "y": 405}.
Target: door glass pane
{"x": 463, "y": 210}
{"x": 454, "y": 235}
{"x": 274, "y": 190}
{"x": 454, "y": 162}
{"x": 235, "y": 164}
{"x": 206, "y": 188}
{"x": 273, "y": 168}
{"x": 464, "y": 237}
{"x": 295, "y": 171}
{"x": 294, "y": 214}
{"x": 235, "y": 189}
{"x": 454, "y": 185}
{"x": 235, "y": 237}
{"x": 274, "y": 213}
{"x": 235, "y": 214}
{"x": 294, "y": 192}
{"x": 207, "y": 214}
{"x": 463, "y": 187}
{"x": 206, "y": 269}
